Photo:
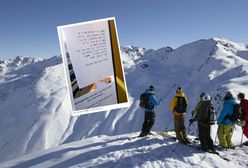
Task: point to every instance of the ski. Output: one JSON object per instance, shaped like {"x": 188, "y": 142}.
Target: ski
{"x": 192, "y": 144}
{"x": 135, "y": 137}
{"x": 168, "y": 135}
{"x": 223, "y": 157}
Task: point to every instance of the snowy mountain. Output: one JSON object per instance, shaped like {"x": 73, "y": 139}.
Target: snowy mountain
{"x": 19, "y": 61}
{"x": 35, "y": 104}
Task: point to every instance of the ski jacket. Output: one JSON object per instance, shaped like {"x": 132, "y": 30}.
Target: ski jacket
{"x": 152, "y": 100}
{"x": 244, "y": 105}
{"x": 226, "y": 110}
{"x": 174, "y": 103}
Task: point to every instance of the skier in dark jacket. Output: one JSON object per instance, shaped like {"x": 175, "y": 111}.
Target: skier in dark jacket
{"x": 193, "y": 113}
{"x": 202, "y": 115}
{"x": 149, "y": 112}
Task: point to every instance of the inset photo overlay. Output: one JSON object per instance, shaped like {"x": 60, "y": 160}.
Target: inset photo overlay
{"x": 93, "y": 66}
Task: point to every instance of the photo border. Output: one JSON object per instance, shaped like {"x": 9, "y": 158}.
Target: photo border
{"x": 65, "y": 65}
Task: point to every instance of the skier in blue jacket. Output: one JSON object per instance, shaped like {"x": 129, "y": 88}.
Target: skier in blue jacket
{"x": 225, "y": 125}
{"x": 149, "y": 112}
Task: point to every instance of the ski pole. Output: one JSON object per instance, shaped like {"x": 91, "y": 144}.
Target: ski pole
{"x": 241, "y": 142}
{"x": 215, "y": 139}
{"x": 166, "y": 129}
{"x": 188, "y": 131}
{"x": 168, "y": 91}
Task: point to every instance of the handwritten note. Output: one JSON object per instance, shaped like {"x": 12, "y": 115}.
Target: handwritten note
{"x": 94, "y": 46}
{"x": 89, "y": 47}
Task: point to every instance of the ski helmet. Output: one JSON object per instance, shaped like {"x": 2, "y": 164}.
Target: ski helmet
{"x": 228, "y": 95}
{"x": 179, "y": 89}
{"x": 202, "y": 94}
{"x": 206, "y": 97}
{"x": 241, "y": 95}
{"x": 151, "y": 88}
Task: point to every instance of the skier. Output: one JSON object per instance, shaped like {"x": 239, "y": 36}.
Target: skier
{"x": 244, "y": 105}
{"x": 150, "y": 102}
{"x": 225, "y": 125}
{"x": 203, "y": 112}
{"x": 179, "y": 107}
{"x": 196, "y": 107}
{"x": 193, "y": 113}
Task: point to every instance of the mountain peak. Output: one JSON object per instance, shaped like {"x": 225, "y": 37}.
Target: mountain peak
{"x": 220, "y": 39}
{"x": 225, "y": 41}
{"x": 26, "y": 60}
{"x": 20, "y": 61}
{"x": 130, "y": 49}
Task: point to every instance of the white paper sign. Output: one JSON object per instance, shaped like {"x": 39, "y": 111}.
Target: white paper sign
{"x": 89, "y": 47}
{"x": 88, "y": 57}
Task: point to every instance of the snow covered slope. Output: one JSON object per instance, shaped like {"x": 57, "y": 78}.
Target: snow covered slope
{"x": 119, "y": 151}
{"x": 35, "y": 105}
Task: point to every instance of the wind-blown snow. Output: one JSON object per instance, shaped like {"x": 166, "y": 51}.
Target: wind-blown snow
{"x": 35, "y": 113}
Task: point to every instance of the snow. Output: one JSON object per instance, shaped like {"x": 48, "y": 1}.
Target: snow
{"x": 34, "y": 112}
{"x": 125, "y": 151}
{"x": 35, "y": 109}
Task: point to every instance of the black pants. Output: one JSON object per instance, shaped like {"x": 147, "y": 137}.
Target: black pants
{"x": 148, "y": 122}
{"x": 205, "y": 138}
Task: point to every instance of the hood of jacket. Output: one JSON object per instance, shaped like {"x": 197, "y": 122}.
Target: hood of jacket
{"x": 230, "y": 101}
{"x": 180, "y": 94}
{"x": 147, "y": 91}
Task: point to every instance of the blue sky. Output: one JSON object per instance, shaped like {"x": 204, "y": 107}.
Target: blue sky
{"x": 28, "y": 27}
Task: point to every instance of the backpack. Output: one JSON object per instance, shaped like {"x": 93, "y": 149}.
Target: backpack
{"x": 206, "y": 114}
{"x": 144, "y": 101}
{"x": 212, "y": 115}
{"x": 238, "y": 113}
{"x": 181, "y": 106}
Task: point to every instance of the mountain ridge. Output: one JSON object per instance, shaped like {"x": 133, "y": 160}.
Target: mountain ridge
{"x": 35, "y": 103}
